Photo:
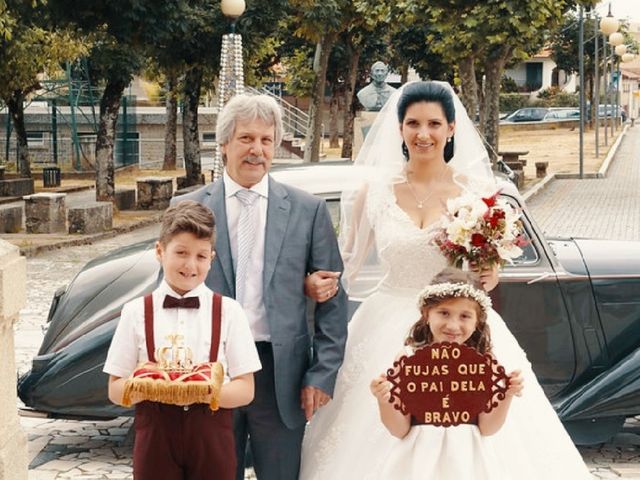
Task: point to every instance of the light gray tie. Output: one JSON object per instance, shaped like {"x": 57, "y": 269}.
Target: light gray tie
{"x": 247, "y": 226}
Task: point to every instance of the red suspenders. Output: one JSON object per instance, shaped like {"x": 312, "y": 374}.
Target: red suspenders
{"x": 216, "y": 325}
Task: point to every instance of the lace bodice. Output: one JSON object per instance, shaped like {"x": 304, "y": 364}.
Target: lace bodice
{"x": 407, "y": 253}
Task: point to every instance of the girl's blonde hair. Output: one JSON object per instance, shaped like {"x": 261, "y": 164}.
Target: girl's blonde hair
{"x": 461, "y": 284}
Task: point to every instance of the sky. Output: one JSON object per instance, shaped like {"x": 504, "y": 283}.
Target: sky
{"x": 621, "y": 9}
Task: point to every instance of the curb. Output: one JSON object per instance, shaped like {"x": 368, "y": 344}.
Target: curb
{"x": 614, "y": 149}
{"x": 89, "y": 239}
{"x": 533, "y": 191}
{"x": 4, "y": 200}
{"x": 79, "y": 188}
{"x": 601, "y": 173}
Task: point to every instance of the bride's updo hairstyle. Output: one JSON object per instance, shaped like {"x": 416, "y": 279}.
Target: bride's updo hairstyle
{"x": 427, "y": 92}
{"x": 460, "y": 284}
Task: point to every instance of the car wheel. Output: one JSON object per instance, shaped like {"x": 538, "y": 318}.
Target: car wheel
{"x": 595, "y": 430}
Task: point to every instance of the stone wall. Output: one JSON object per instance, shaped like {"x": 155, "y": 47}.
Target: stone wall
{"x": 13, "y": 295}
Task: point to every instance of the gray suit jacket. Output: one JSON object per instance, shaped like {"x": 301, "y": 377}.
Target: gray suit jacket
{"x": 299, "y": 239}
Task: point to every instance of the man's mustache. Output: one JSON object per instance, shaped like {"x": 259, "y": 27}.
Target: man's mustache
{"x": 254, "y": 160}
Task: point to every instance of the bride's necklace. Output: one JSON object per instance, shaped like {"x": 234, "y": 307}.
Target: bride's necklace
{"x": 420, "y": 202}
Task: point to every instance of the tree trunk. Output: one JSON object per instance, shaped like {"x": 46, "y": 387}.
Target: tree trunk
{"x": 404, "y": 73}
{"x": 105, "y": 172}
{"x": 190, "y": 135}
{"x": 590, "y": 107}
{"x": 351, "y": 105}
{"x": 16, "y": 110}
{"x": 312, "y": 142}
{"x": 494, "y": 68}
{"x": 334, "y": 113}
{"x": 482, "y": 103}
{"x": 469, "y": 94}
{"x": 170, "y": 127}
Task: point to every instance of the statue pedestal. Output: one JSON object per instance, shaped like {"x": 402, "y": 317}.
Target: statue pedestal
{"x": 361, "y": 125}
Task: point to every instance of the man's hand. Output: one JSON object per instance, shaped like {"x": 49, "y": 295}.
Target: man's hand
{"x": 321, "y": 285}
{"x": 311, "y": 399}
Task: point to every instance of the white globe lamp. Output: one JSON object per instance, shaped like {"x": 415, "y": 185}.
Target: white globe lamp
{"x": 616, "y": 38}
{"x": 232, "y": 8}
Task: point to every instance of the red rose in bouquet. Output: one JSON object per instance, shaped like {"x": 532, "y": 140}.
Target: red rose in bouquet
{"x": 481, "y": 231}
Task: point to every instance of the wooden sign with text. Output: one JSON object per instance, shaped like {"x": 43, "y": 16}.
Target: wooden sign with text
{"x": 446, "y": 384}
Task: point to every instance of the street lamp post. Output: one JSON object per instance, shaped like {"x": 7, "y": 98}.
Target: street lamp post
{"x": 625, "y": 58}
{"x": 608, "y": 26}
{"x": 620, "y": 51}
{"x": 616, "y": 39}
{"x": 231, "y": 78}
{"x": 581, "y": 68}
{"x": 595, "y": 104}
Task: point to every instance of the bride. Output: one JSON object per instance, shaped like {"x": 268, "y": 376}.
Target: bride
{"x": 388, "y": 226}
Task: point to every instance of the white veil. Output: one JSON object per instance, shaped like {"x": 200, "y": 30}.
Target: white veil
{"x": 380, "y": 159}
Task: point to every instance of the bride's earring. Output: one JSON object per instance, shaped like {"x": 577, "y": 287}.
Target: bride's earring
{"x": 448, "y": 139}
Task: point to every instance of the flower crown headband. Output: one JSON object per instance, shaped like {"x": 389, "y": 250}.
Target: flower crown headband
{"x": 455, "y": 290}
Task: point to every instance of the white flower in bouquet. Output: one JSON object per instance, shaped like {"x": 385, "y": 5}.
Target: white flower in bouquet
{"x": 481, "y": 231}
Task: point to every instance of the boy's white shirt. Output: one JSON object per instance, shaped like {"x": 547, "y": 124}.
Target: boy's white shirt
{"x": 237, "y": 351}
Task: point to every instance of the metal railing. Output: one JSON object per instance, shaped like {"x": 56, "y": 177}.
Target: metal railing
{"x": 295, "y": 121}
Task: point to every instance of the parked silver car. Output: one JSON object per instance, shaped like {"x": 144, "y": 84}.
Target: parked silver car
{"x": 541, "y": 114}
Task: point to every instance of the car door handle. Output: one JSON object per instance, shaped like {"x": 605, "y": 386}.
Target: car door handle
{"x": 540, "y": 277}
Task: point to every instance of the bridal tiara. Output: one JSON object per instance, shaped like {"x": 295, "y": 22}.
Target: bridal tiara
{"x": 454, "y": 290}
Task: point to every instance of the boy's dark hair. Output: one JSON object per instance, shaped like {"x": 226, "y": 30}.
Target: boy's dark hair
{"x": 420, "y": 333}
{"x": 188, "y": 216}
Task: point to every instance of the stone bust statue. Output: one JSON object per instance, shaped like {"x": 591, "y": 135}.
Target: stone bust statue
{"x": 375, "y": 95}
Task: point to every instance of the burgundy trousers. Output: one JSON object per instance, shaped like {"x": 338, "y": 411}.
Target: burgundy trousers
{"x": 178, "y": 443}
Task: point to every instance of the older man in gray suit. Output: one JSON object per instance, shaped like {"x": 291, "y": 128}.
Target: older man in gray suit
{"x": 270, "y": 237}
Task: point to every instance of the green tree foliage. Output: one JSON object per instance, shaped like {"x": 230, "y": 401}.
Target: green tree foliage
{"x": 484, "y": 36}
{"x": 122, "y": 30}
{"x": 322, "y": 24}
{"x": 28, "y": 50}
{"x": 7, "y": 21}
{"x": 564, "y": 43}
{"x": 319, "y": 23}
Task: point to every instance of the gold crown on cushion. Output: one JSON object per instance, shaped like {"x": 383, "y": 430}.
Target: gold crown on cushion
{"x": 175, "y": 381}
{"x": 181, "y": 357}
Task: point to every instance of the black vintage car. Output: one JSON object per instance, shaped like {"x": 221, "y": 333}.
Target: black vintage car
{"x": 574, "y": 305}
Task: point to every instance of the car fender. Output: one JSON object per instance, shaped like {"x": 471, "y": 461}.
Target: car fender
{"x": 615, "y": 392}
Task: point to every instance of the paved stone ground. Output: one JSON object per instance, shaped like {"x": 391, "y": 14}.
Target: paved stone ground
{"x": 597, "y": 208}
{"x": 64, "y": 449}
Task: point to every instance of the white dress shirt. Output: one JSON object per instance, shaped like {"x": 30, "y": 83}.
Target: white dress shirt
{"x": 253, "y": 302}
{"x": 237, "y": 350}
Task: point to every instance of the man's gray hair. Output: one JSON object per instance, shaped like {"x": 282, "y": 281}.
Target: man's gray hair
{"x": 246, "y": 108}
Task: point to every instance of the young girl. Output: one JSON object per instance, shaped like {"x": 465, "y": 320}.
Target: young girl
{"x": 453, "y": 309}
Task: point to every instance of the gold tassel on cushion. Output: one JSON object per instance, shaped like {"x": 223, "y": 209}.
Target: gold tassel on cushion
{"x": 201, "y": 384}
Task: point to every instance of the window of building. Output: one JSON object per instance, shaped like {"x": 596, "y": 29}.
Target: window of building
{"x": 209, "y": 139}
{"x": 35, "y": 139}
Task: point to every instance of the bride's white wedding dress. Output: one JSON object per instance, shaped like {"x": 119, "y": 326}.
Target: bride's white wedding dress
{"x": 346, "y": 440}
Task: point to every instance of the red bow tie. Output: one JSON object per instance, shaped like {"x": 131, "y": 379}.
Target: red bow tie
{"x": 173, "y": 302}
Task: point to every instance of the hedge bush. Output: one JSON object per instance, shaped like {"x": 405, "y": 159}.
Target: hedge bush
{"x": 510, "y": 102}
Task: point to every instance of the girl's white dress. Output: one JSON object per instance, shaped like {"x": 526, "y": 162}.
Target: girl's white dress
{"x": 346, "y": 440}
{"x": 436, "y": 452}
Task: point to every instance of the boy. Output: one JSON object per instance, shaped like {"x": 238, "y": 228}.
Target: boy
{"x": 190, "y": 441}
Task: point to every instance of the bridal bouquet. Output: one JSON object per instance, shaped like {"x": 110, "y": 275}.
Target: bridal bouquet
{"x": 480, "y": 231}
